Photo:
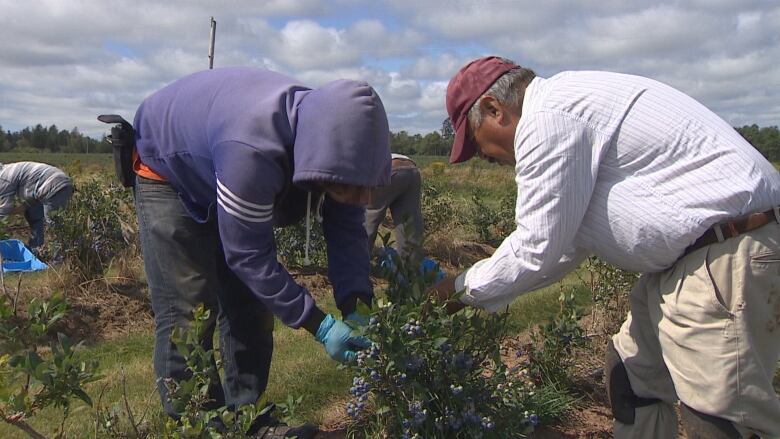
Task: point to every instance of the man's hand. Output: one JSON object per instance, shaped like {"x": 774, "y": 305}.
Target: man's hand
{"x": 442, "y": 292}
{"x": 336, "y": 336}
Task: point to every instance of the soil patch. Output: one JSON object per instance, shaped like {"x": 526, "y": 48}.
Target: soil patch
{"x": 108, "y": 311}
{"x": 456, "y": 254}
{"x": 313, "y": 279}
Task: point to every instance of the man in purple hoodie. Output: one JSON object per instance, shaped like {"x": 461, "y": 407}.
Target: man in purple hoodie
{"x": 225, "y": 155}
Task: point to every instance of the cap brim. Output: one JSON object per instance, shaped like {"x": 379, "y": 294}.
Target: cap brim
{"x": 462, "y": 148}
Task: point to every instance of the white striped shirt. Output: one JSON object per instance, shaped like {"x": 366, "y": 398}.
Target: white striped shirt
{"x": 621, "y": 167}
{"x": 25, "y": 181}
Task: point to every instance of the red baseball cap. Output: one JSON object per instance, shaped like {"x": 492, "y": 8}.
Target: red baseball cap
{"x": 473, "y": 80}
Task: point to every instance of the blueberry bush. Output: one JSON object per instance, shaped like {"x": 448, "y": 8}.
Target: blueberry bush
{"x": 39, "y": 369}
{"x": 552, "y": 356}
{"x": 96, "y": 225}
{"x": 609, "y": 287}
{"x": 428, "y": 374}
{"x": 4, "y": 228}
{"x": 291, "y": 245}
{"x": 200, "y": 417}
{"x": 438, "y": 206}
{"x": 492, "y": 224}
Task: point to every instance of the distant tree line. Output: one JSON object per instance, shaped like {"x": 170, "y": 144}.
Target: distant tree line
{"x": 52, "y": 139}
{"x": 435, "y": 143}
{"x": 766, "y": 140}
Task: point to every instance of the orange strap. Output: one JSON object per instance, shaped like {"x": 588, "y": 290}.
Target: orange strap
{"x": 144, "y": 171}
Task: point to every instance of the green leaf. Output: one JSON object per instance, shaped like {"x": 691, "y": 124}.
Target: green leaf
{"x": 33, "y": 361}
{"x": 262, "y": 402}
{"x": 440, "y": 341}
{"x": 363, "y": 308}
{"x": 228, "y": 416}
{"x": 80, "y": 394}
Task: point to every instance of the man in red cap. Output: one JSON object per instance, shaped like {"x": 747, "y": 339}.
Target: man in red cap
{"x": 644, "y": 177}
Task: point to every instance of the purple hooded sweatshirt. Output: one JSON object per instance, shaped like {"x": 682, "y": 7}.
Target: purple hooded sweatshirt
{"x": 245, "y": 144}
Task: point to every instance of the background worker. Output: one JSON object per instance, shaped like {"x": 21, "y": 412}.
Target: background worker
{"x": 649, "y": 180}
{"x": 225, "y": 155}
{"x": 402, "y": 197}
{"x": 37, "y": 189}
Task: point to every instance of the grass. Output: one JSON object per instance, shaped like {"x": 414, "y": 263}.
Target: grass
{"x": 538, "y": 306}
{"x": 104, "y": 161}
{"x": 300, "y": 367}
{"x": 463, "y": 179}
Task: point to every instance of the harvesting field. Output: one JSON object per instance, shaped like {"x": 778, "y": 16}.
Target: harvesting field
{"x": 544, "y": 354}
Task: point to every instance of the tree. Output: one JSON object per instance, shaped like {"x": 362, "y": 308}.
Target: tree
{"x": 38, "y": 137}
{"x": 63, "y": 137}
{"x": 51, "y": 139}
{"x": 76, "y": 141}
{"x": 432, "y": 144}
{"x": 766, "y": 140}
{"x": 402, "y": 143}
{"x": 447, "y": 132}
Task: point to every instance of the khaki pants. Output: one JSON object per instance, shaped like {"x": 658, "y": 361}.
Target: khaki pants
{"x": 707, "y": 332}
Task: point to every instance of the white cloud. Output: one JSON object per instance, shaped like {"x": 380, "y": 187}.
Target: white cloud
{"x": 433, "y": 95}
{"x": 305, "y": 45}
{"x": 436, "y": 67}
{"x": 64, "y": 62}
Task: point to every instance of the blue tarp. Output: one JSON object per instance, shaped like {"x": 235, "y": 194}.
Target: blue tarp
{"x": 17, "y": 257}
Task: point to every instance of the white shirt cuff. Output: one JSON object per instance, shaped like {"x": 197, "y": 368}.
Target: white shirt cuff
{"x": 466, "y": 298}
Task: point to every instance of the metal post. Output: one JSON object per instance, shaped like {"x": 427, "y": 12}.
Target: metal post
{"x": 211, "y": 46}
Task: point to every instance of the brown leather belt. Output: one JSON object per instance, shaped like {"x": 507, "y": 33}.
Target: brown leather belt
{"x": 730, "y": 229}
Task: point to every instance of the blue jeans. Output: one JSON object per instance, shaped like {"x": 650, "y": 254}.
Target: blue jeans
{"x": 185, "y": 266}
{"x": 37, "y": 214}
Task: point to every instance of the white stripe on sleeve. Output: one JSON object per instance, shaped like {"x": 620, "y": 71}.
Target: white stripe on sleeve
{"x": 241, "y": 208}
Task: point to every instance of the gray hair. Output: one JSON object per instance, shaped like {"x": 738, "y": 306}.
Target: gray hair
{"x": 506, "y": 89}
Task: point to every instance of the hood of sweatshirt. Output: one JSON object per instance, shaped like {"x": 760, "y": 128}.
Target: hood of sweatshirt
{"x": 342, "y": 136}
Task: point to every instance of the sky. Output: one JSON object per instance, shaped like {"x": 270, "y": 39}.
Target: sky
{"x": 64, "y": 62}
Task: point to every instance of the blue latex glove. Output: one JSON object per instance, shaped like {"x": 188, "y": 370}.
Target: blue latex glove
{"x": 336, "y": 336}
{"x": 429, "y": 265}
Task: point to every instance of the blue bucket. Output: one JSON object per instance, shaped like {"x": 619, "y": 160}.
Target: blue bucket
{"x": 17, "y": 257}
